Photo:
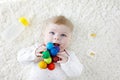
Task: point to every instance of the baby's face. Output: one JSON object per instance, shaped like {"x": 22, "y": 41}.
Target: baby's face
{"x": 59, "y": 34}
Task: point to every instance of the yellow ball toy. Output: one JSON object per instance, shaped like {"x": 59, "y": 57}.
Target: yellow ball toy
{"x": 42, "y": 64}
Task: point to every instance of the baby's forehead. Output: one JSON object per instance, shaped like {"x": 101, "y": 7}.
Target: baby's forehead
{"x": 57, "y": 26}
{"x": 63, "y": 28}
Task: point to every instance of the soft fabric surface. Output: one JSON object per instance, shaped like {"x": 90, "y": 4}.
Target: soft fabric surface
{"x": 99, "y": 53}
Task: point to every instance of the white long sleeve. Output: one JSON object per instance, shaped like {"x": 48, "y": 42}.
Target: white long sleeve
{"x": 73, "y": 67}
{"x": 27, "y": 55}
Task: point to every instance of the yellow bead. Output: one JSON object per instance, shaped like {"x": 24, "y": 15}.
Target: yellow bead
{"x": 24, "y": 21}
{"x": 93, "y": 35}
{"x": 42, "y": 65}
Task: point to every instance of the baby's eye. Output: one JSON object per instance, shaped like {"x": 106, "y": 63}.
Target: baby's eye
{"x": 63, "y": 35}
{"x": 51, "y": 33}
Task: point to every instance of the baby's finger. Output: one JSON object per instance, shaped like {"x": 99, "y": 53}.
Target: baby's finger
{"x": 39, "y": 54}
{"x": 38, "y": 49}
{"x": 61, "y": 53}
{"x": 61, "y": 61}
{"x": 44, "y": 48}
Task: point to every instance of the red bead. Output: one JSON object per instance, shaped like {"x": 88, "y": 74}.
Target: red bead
{"x": 51, "y": 66}
{"x": 55, "y": 59}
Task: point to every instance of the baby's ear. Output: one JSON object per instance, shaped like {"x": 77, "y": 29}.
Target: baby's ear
{"x": 70, "y": 38}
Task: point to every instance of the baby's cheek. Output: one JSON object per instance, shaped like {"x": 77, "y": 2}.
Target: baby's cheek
{"x": 65, "y": 43}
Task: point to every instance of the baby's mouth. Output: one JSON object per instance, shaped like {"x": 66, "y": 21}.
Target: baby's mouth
{"x": 56, "y": 44}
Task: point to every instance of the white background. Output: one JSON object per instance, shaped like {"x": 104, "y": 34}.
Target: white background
{"x": 101, "y": 17}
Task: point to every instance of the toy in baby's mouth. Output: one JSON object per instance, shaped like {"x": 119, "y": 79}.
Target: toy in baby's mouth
{"x": 49, "y": 56}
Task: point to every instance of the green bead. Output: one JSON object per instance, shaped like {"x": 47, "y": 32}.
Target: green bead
{"x": 46, "y": 54}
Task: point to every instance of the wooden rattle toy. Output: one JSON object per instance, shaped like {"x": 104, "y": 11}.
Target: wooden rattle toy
{"x": 49, "y": 56}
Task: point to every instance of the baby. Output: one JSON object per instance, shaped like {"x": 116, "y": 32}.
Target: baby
{"x": 58, "y": 31}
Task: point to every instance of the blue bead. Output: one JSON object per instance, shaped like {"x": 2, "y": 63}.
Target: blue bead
{"x": 57, "y": 47}
{"x": 54, "y": 51}
{"x": 50, "y": 45}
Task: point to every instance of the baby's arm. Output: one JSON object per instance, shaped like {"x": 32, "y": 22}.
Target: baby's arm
{"x": 27, "y": 55}
{"x": 72, "y": 67}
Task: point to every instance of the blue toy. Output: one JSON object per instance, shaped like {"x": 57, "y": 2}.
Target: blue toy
{"x": 49, "y": 45}
{"x": 53, "y": 49}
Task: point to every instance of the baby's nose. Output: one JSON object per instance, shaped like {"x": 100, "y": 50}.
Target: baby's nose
{"x": 56, "y": 38}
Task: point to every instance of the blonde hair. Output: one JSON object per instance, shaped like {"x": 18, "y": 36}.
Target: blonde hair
{"x": 61, "y": 20}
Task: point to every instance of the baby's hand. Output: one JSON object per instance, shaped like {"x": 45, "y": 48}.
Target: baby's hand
{"x": 39, "y": 50}
{"x": 62, "y": 57}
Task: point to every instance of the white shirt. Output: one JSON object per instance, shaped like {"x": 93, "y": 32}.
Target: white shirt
{"x": 72, "y": 68}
